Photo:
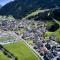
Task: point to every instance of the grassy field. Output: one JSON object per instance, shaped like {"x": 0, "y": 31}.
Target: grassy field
{"x": 21, "y": 51}
{"x": 33, "y": 13}
{"x": 49, "y": 23}
{"x": 47, "y": 34}
{"x": 56, "y": 33}
{"x": 3, "y": 57}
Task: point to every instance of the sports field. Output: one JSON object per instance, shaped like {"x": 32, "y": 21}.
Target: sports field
{"x": 21, "y": 51}
{"x": 3, "y": 57}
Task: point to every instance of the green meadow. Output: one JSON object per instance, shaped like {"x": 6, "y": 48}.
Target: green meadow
{"x": 21, "y": 51}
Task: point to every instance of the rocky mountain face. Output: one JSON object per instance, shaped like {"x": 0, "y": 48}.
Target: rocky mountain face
{"x": 21, "y": 8}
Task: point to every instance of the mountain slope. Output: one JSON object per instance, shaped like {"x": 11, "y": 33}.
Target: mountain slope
{"x": 21, "y": 8}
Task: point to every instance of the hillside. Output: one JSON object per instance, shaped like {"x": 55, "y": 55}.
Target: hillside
{"x": 21, "y": 8}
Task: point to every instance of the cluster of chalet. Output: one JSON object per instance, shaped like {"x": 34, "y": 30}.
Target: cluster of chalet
{"x": 13, "y": 24}
{"x": 49, "y": 49}
{"x": 7, "y": 25}
{"x": 36, "y": 31}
